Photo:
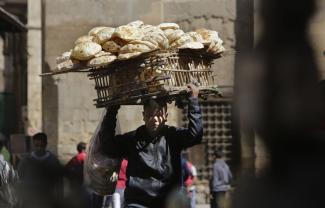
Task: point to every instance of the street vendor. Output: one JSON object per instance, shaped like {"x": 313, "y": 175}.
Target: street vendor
{"x": 153, "y": 150}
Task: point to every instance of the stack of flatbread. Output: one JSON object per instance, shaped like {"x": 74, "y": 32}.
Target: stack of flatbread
{"x": 103, "y": 45}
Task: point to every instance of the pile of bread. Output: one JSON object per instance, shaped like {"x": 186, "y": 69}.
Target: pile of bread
{"x": 104, "y": 45}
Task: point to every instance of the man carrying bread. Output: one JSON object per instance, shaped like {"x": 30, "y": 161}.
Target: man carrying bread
{"x": 153, "y": 151}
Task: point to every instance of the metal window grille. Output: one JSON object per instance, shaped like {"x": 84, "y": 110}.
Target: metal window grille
{"x": 217, "y": 124}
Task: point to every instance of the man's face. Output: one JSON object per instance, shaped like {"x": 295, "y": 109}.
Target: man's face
{"x": 154, "y": 118}
{"x": 39, "y": 147}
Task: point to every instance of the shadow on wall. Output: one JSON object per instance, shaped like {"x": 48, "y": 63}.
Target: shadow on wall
{"x": 50, "y": 110}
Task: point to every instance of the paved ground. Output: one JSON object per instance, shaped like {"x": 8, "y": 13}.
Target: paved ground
{"x": 203, "y": 206}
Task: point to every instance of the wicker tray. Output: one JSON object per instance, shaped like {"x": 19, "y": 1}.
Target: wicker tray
{"x": 154, "y": 74}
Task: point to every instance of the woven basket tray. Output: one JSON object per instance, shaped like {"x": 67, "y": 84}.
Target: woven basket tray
{"x": 155, "y": 74}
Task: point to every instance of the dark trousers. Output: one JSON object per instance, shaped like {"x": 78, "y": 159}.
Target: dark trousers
{"x": 218, "y": 199}
{"x": 96, "y": 200}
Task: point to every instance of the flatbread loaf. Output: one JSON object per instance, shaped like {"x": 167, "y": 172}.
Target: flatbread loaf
{"x": 166, "y": 25}
{"x": 137, "y": 23}
{"x": 192, "y": 45}
{"x": 101, "y": 61}
{"x": 130, "y": 48}
{"x": 111, "y": 46}
{"x": 68, "y": 65}
{"x": 208, "y": 36}
{"x": 151, "y": 45}
{"x": 125, "y": 56}
{"x": 196, "y": 37}
{"x": 95, "y": 30}
{"x": 175, "y": 35}
{"x": 185, "y": 38}
{"x": 104, "y": 35}
{"x": 103, "y": 53}
{"x": 128, "y": 33}
{"x": 119, "y": 41}
{"x": 155, "y": 35}
{"x": 64, "y": 57}
{"x": 85, "y": 51}
{"x": 84, "y": 38}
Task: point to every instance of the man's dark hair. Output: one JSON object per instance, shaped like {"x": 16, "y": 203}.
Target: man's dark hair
{"x": 184, "y": 154}
{"x": 81, "y": 146}
{"x": 218, "y": 153}
{"x": 157, "y": 103}
{"x": 40, "y": 137}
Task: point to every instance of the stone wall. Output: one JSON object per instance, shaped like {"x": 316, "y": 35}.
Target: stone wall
{"x": 34, "y": 82}
{"x": 217, "y": 15}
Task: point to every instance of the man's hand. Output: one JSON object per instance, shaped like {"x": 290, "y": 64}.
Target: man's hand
{"x": 113, "y": 108}
{"x": 114, "y": 177}
{"x": 194, "y": 90}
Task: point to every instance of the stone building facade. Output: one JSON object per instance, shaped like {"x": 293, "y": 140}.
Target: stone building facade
{"x": 67, "y": 108}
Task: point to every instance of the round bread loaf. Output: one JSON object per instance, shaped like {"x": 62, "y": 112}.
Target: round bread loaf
{"x": 85, "y": 51}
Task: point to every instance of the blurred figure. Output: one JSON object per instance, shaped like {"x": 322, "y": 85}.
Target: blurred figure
{"x": 74, "y": 170}
{"x": 286, "y": 111}
{"x": 3, "y": 150}
{"x": 41, "y": 176}
{"x": 190, "y": 183}
{"x": 121, "y": 182}
{"x": 189, "y": 177}
{"x": 221, "y": 180}
{"x": 8, "y": 180}
{"x": 97, "y": 200}
{"x": 178, "y": 199}
{"x": 118, "y": 201}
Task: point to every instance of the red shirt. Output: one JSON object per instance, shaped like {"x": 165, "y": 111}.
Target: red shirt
{"x": 189, "y": 181}
{"x": 122, "y": 175}
{"x": 74, "y": 168}
{"x": 77, "y": 160}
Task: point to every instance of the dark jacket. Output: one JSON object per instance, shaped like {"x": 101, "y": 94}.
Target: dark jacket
{"x": 154, "y": 167}
{"x": 41, "y": 179}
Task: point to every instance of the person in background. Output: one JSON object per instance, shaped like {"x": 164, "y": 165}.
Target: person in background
{"x": 121, "y": 182}
{"x": 220, "y": 181}
{"x": 189, "y": 177}
{"x": 4, "y": 151}
{"x": 79, "y": 196}
{"x": 41, "y": 176}
{"x": 190, "y": 183}
{"x": 120, "y": 187}
{"x": 74, "y": 168}
{"x": 8, "y": 181}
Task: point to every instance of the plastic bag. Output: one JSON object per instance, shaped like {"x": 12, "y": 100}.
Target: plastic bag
{"x": 101, "y": 171}
{"x": 178, "y": 198}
